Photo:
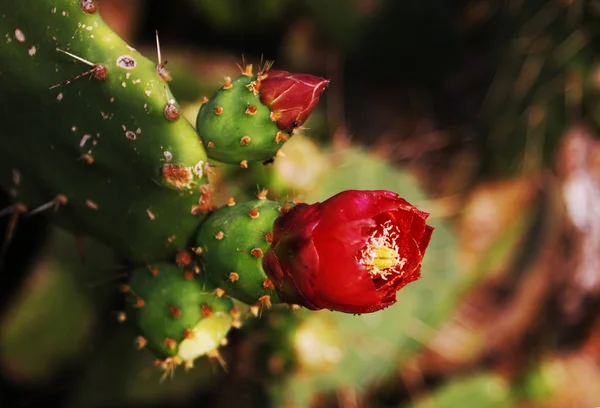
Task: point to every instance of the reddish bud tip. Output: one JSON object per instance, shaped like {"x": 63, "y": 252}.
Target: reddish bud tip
{"x": 292, "y": 97}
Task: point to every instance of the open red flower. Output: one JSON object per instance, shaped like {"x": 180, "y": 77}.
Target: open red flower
{"x": 290, "y": 97}
{"x": 350, "y": 253}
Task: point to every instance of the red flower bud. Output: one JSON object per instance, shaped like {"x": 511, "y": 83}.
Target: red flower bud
{"x": 350, "y": 253}
{"x": 290, "y": 97}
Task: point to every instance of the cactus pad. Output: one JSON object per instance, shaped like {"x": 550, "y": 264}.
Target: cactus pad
{"x": 232, "y": 242}
{"x": 177, "y": 316}
{"x": 91, "y": 129}
{"x": 236, "y": 127}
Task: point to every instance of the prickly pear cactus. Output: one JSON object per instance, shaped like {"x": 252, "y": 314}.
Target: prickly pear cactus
{"x": 178, "y": 317}
{"x": 235, "y": 127}
{"x": 92, "y": 131}
{"x": 232, "y": 242}
{"x": 249, "y": 118}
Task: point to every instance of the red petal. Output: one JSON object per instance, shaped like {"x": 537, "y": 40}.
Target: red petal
{"x": 292, "y": 96}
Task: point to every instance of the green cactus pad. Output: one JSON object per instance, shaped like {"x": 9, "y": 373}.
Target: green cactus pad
{"x": 233, "y": 241}
{"x": 94, "y": 132}
{"x": 236, "y": 127}
{"x": 176, "y": 314}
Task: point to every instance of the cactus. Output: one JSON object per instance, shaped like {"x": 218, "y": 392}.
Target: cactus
{"x": 177, "y": 317}
{"x": 249, "y": 118}
{"x": 108, "y": 152}
{"x": 232, "y": 242}
{"x": 236, "y": 127}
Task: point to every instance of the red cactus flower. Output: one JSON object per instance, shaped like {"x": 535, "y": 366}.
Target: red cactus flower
{"x": 290, "y": 97}
{"x": 350, "y": 253}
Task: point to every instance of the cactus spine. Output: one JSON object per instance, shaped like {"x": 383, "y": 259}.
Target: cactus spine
{"x": 95, "y": 133}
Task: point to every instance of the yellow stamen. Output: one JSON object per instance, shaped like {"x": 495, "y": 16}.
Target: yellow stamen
{"x": 384, "y": 258}
{"x": 381, "y": 256}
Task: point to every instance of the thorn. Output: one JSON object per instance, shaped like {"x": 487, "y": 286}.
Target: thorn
{"x": 188, "y": 334}
{"x": 245, "y": 140}
{"x": 269, "y": 237}
{"x": 91, "y": 205}
{"x": 175, "y": 311}
{"x": 121, "y": 317}
{"x": 171, "y": 111}
{"x": 253, "y": 213}
{"x": 100, "y": 71}
{"x": 56, "y": 202}
{"x": 251, "y": 110}
{"x": 168, "y": 365}
{"x": 219, "y": 235}
{"x": 265, "y": 301}
{"x": 91, "y": 64}
{"x": 198, "y": 250}
{"x": 268, "y": 284}
{"x": 237, "y": 324}
{"x": 154, "y": 271}
{"x": 188, "y": 365}
{"x": 139, "y": 302}
{"x": 224, "y": 342}
{"x": 210, "y": 145}
{"x": 87, "y": 158}
{"x": 294, "y": 307}
{"x": 227, "y": 84}
{"x": 230, "y": 201}
{"x": 189, "y": 275}
{"x": 219, "y": 292}
{"x": 170, "y": 343}
{"x": 246, "y": 69}
{"x": 215, "y": 355}
{"x": 12, "y": 209}
{"x": 257, "y": 252}
{"x": 264, "y": 69}
{"x": 244, "y": 164}
{"x": 206, "y": 310}
{"x": 234, "y": 276}
{"x": 158, "y": 49}
{"x": 204, "y": 100}
{"x": 218, "y": 110}
{"x": 88, "y": 6}
{"x": 141, "y": 342}
{"x": 183, "y": 258}
{"x": 254, "y": 309}
{"x": 235, "y": 312}
{"x": 125, "y": 288}
{"x": 281, "y": 137}
{"x": 275, "y": 116}
{"x": 262, "y": 194}
{"x": 279, "y": 154}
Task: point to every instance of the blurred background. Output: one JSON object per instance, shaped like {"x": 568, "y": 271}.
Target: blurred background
{"x": 483, "y": 113}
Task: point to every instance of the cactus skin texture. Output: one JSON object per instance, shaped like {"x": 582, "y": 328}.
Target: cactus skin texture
{"x": 107, "y": 150}
{"x": 236, "y": 127}
{"x": 177, "y": 316}
{"x": 232, "y": 242}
